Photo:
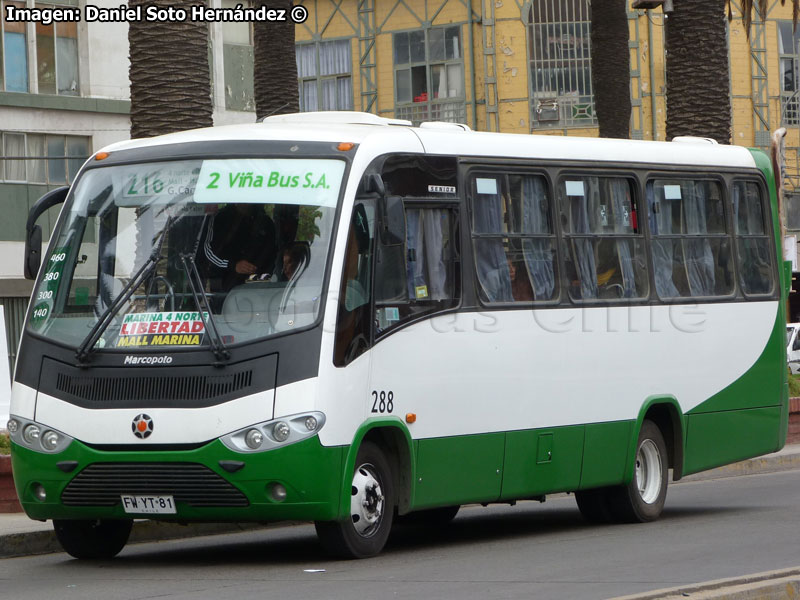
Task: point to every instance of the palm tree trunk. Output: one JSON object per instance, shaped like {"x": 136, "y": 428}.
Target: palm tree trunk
{"x": 698, "y": 73}
{"x": 275, "y": 69}
{"x": 611, "y": 67}
{"x": 169, "y": 73}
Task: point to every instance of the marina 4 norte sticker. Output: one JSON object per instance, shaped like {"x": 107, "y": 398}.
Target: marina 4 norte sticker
{"x": 161, "y": 329}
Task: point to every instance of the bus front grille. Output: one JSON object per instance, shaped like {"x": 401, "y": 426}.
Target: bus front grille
{"x": 102, "y": 484}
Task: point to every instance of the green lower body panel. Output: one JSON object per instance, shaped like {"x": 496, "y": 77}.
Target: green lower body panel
{"x": 720, "y": 438}
{"x": 311, "y": 474}
{"x": 456, "y": 470}
{"x": 605, "y": 453}
{"x": 540, "y": 461}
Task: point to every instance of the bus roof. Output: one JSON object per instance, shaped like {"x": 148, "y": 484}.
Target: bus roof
{"x": 379, "y": 135}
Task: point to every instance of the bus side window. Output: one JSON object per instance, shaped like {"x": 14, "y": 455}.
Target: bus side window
{"x": 353, "y": 320}
{"x": 753, "y": 244}
{"x": 418, "y": 277}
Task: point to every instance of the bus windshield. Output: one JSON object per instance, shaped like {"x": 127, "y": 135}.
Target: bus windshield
{"x": 255, "y": 232}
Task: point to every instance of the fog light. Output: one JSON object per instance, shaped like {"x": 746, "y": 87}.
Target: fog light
{"x": 280, "y": 431}
{"x": 39, "y": 493}
{"x": 277, "y": 492}
{"x": 12, "y": 426}
{"x": 31, "y": 434}
{"x": 311, "y": 423}
{"x": 50, "y": 440}
{"x": 254, "y": 439}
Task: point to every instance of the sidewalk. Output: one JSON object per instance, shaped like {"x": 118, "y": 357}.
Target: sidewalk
{"x": 20, "y": 536}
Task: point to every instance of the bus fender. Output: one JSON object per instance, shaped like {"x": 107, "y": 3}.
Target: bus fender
{"x": 390, "y": 431}
{"x": 665, "y": 407}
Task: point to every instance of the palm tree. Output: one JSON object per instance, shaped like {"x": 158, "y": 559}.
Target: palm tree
{"x": 169, "y": 73}
{"x": 611, "y": 67}
{"x": 698, "y": 75}
{"x": 274, "y": 68}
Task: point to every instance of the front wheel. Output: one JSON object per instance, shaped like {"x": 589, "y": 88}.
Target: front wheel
{"x": 372, "y": 502}
{"x": 643, "y": 498}
{"x": 92, "y": 539}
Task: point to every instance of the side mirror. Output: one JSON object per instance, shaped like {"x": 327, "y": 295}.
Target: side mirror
{"x": 393, "y": 226}
{"x": 33, "y": 252}
{"x": 33, "y": 232}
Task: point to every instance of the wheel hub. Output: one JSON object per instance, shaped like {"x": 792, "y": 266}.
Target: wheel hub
{"x": 648, "y": 471}
{"x": 367, "y": 501}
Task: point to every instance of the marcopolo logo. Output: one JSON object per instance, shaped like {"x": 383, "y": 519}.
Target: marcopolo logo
{"x": 142, "y": 426}
{"x": 147, "y": 360}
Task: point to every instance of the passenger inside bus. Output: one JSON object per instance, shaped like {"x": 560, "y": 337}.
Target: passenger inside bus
{"x": 238, "y": 243}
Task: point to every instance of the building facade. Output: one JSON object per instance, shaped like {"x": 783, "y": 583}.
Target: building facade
{"x": 497, "y": 65}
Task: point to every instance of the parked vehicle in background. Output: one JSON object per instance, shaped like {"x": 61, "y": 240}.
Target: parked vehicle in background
{"x": 793, "y": 346}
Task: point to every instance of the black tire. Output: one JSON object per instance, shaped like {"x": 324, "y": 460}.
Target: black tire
{"x": 93, "y": 539}
{"x": 364, "y": 534}
{"x": 594, "y": 505}
{"x": 643, "y": 498}
{"x": 432, "y": 517}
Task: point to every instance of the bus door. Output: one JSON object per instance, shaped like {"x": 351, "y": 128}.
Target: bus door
{"x": 417, "y": 371}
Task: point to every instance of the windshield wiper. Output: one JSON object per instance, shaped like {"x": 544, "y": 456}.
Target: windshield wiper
{"x": 201, "y": 299}
{"x": 105, "y": 319}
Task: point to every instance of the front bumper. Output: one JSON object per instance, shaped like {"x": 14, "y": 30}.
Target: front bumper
{"x": 310, "y": 472}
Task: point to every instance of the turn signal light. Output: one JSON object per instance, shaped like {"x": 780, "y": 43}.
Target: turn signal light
{"x": 411, "y": 418}
{"x": 345, "y": 146}
{"x": 101, "y": 156}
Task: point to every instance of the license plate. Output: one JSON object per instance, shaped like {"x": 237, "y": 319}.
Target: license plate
{"x": 148, "y": 505}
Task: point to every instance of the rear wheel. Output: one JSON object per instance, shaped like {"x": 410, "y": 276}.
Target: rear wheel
{"x": 372, "y": 502}
{"x": 93, "y": 539}
{"x": 643, "y": 498}
{"x": 594, "y": 505}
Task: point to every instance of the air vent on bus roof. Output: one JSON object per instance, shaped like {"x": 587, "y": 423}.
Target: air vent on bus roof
{"x": 338, "y": 117}
{"x": 442, "y": 125}
{"x": 693, "y": 139}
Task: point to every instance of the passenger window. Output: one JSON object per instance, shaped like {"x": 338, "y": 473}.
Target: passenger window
{"x": 604, "y": 254}
{"x": 513, "y": 238}
{"x": 353, "y": 320}
{"x": 691, "y": 247}
{"x": 420, "y": 276}
{"x": 753, "y": 246}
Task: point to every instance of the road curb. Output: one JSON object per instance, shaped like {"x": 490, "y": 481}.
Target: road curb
{"x": 45, "y": 542}
{"x": 753, "y": 466}
{"x": 783, "y": 584}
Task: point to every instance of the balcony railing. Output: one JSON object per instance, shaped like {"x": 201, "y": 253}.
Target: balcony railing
{"x": 419, "y": 112}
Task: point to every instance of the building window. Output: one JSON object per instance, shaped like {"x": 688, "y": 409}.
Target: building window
{"x": 559, "y": 50}
{"x": 56, "y": 55}
{"x": 787, "y": 50}
{"x": 324, "y": 75}
{"x": 429, "y": 75}
{"x": 238, "y": 62}
{"x": 14, "y": 53}
{"x": 42, "y": 158}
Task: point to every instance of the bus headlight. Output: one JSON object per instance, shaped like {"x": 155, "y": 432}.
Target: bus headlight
{"x": 276, "y": 433}
{"x": 50, "y": 440}
{"x": 280, "y": 431}
{"x": 37, "y": 437}
{"x": 31, "y": 434}
{"x": 254, "y": 438}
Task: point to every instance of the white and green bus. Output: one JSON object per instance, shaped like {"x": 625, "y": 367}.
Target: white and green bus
{"x": 345, "y": 319}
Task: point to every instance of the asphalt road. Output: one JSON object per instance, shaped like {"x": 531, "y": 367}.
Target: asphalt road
{"x": 710, "y": 530}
